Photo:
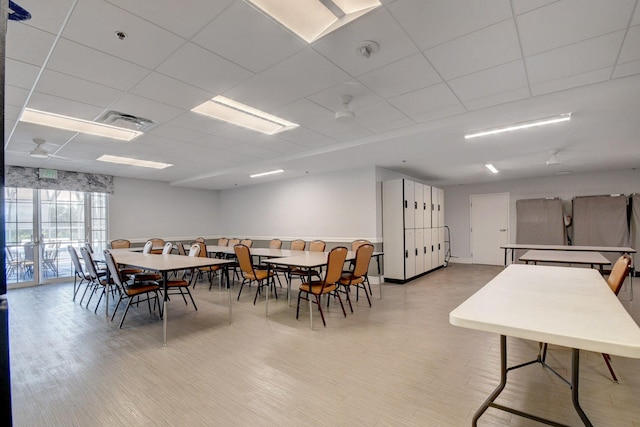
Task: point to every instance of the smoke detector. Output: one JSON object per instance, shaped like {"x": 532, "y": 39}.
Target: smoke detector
{"x": 553, "y": 160}
{"x": 367, "y": 48}
{"x": 127, "y": 121}
{"x": 344, "y": 114}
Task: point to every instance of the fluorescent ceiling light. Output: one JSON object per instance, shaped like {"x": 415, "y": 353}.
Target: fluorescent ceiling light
{"x": 524, "y": 125}
{"x": 491, "y": 168}
{"x": 133, "y": 162}
{"x": 73, "y": 124}
{"x": 230, "y": 111}
{"x": 258, "y": 175}
{"x": 312, "y": 19}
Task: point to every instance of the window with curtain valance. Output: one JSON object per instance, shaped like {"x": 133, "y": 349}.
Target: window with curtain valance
{"x": 25, "y": 177}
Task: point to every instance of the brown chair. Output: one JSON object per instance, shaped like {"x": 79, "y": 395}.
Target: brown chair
{"x": 246, "y": 242}
{"x": 358, "y": 277}
{"x": 78, "y": 273}
{"x": 354, "y": 247}
{"x": 298, "y": 245}
{"x": 211, "y": 270}
{"x": 275, "y": 244}
{"x": 98, "y": 283}
{"x": 223, "y": 241}
{"x": 120, "y": 244}
{"x": 181, "y": 286}
{"x": 250, "y": 273}
{"x": 201, "y": 239}
{"x": 158, "y": 244}
{"x": 180, "y": 248}
{"x": 131, "y": 292}
{"x": 619, "y": 272}
{"x": 146, "y": 276}
{"x": 317, "y": 288}
{"x": 314, "y": 246}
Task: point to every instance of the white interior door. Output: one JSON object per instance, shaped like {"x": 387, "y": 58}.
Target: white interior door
{"x": 489, "y": 227}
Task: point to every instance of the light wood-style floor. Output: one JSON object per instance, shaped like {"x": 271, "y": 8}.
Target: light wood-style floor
{"x": 399, "y": 363}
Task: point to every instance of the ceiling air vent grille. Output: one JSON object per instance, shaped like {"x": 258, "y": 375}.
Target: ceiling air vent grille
{"x": 123, "y": 120}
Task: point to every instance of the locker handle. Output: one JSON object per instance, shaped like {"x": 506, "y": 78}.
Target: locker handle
{"x": 425, "y": 249}
{"x": 431, "y": 248}
{"x": 438, "y": 208}
{"x": 438, "y": 246}
{"x": 416, "y": 251}
{"x": 415, "y": 205}
{"x": 406, "y": 204}
{"x": 424, "y": 206}
{"x": 406, "y": 253}
{"x": 432, "y": 207}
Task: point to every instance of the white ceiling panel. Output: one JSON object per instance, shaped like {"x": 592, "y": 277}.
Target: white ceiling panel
{"x": 67, "y": 107}
{"x": 89, "y": 64}
{"x": 589, "y": 55}
{"x": 20, "y": 74}
{"x": 47, "y": 15}
{"x": 425, "y": 100}
{"x": 340, "y": 46}
{"x": 570, "y": 21}
{"x": 432, "y": 22}
{"x": 201, "y": 68}
{"x": 171, "y": 91}
{"x": 330, "y": 98}
{"x": 65, "y": 86}
{"x": 15, "y": 96}
{"x": 306, "y": 137}
{"x": 628, "y": 69}
{"x": 497, "y": 99}
{"x": 502, "y": 78}
{"x": 145, "y": 108}
{"x": 572, "y": 81}
{"x": 631, "y": 46}
{"x": 403, "y": 76}
{"x": 482, "y": 49}
{"x": 28, "y": 44}
{"x": 258, "y": 42}
{"x": 175, "y": 132}
{"x": 522, "y": 6}
{"x": 439, "y": 113}
{"x": 375, "y": 116}
{"x": 94, "y": 22}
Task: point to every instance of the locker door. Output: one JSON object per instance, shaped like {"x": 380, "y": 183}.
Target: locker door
{"x": 434, "y": 247}
{"x": 409, "y": 204}
{"x": 418, "y": 205}
{"x": 440, "y": 207}
{"x": 409, "y": 253}
{"x": 440, "y": 246}
{"x": 426, "y": 191}
{"x": 419, "y": 251}
{"x": 426, "y": 249}
{"x": 434, "y": 207}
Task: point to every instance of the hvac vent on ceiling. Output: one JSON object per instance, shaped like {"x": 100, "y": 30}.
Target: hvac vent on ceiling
{"x": 116, "y": 118}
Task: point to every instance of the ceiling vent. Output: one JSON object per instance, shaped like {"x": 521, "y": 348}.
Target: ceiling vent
{"x": 127, "y": 121}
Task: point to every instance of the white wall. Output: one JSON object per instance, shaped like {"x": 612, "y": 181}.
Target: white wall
{"x": 457, "y": 214}
{"x": 335, "y": 207}
{"x": 141, "y": 209}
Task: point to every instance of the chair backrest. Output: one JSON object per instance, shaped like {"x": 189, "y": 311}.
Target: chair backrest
{"x": 275, "y": 244}
{"x": 243, "y": 255}
{"x": 223, "y": 241}
{"x": 180, "y": 247}
{"x": 201, "y": 239}
{"x": 357, "y": 243}
{"x": 363, "y": 257}
{"x": 335, "y": 262}
{"x": 317, "y": 246}
{"x": 28, "y": 251}
{"x": 298, "y": 245}
{"x": 75, "y": 260}
{"x": 247, "y": 242}
{"x": 89, "y": 265}
{"x": 168, "y": 247}
{"x": 8, "y": 254}
{"x": 233, "y": 242}
{"x": 619, "y": 273}
{"x": 147, "y": 247}
{"x": 120, "y": 244}
{"x": 203, "y": 249}
{"x": 194, "y": 250}
{"x": 114, "y": 271}
{"x": 88, "y": 246}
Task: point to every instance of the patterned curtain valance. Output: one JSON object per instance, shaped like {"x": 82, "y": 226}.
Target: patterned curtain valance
{"x": 23, "y": 177}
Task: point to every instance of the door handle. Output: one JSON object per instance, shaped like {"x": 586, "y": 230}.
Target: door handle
{"x": 502, "y": 230}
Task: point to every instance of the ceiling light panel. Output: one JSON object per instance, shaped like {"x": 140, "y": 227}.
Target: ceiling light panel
{"x": 523, "y": 125}
{"x": 234, "y": 112}
{"x": 73, "y": 124}
{"x": 258, "y": 175}
{"x": 311, "y": 19}
{"x": 491, "y": 168}
{"x": 133, "y": 162}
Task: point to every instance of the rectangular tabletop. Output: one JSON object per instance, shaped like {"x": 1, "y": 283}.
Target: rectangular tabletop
{"x": 620, "y": 249}
{"x": 570, "y": 307}
{"x": 569, "y": 257}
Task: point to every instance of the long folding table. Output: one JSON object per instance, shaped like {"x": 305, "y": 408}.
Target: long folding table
{"x": 569, "y": 307}
{"x": 514, "y": 246}
{"x": 565, "y": 257}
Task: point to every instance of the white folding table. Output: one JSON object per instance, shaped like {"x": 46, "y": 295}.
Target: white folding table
{"x": 570, "y": 307}
{"x": 565, "y": 257}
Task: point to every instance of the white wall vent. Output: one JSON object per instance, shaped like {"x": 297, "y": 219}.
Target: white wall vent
{"x": 123, "y": 120}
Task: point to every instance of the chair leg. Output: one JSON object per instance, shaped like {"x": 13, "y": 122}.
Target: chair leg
{"x": 298, "y": 308}
{"x": 341, "y": 305}
{"x": 346, "y": 291}
{"x": 318, "y": 302}
{"x": 364, "y": 288}
{"x": 607, "y": 360}
{"x": 239, "y": 292}
{"x": 125, "y": 313}
{"x": 192, "y": 301}
{"x": 116, "y": 309}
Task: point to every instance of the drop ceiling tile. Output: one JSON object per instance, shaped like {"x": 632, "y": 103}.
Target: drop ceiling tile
{"x": 253, "y": 151}
{"x": 184, "y": 17}
{"x": 375, "y": 116}
{"x": 11, "y": 114}
{"x": 146, "y": 108}
{"x": 66, "y": 86}
{"x": 216, "y": 142}
{"x": 403, "y": 76}
{"x": 283, "y": 147}
{"x": 631, "y": 46}
{"x": 67, "y": 107}
{"x": 199, "y": 67}
{"x": 258, "y": 42}
{"x": 570, "y": 21}
{"x": 424, "y": 100}
{"x": 579, "y": 58}
{"x": 300, "y": 75}
{"x": 330, "y": 97}
{"x": 636, "y": 17}
{"x": 340, "y": 46}
{"x": 45, "y": 15}
{"x": 497, "y": 99}
{"x": 572, "y": 81}
{"x": 171, "y": 91}
{"x": 93, "y": 23}
{"x": 627, "y": 69}
{"x": 20, "y": 74}
{"x": 432, "y": 22}
{"x": 389, "y": 125}
{"x": 89, "y": 64}
{"x": 482, "y": 49}
{"x": 175, "y": 132}
{"x": 25, "y": 132}
{"x": 306, "y": 137}
{"x": 15, "y": 96}
{"x": 158, "y": 142}
{"x": 200, "y": 123}
{"x": 503, "y": 78}
{"x": 439, "y": 113}
{"x": 28, "y": 44}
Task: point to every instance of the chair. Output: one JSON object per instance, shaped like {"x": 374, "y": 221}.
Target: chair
{"x": 97, "y": 281}
{"x": 130, "y": 292}
{"x": 211, "y": 270}
{"x": 298, "y": 245}
{"x": 180, "y": 247}
{"x": 28, "y": 260}
{"x": 201, "y": 239}
{"x": 358, "y": 277}
{"x": 167, "y": 249}
{"x": 156, "y": 243}
{"x": 120, "y": 244}
{"x": 275, "y": 244}
{"x": 223, "y": 241}
{"x": 11, "y": 265}
{"x": 250, "y": 273}
{"x": 354, "y": 247}
{"x": 314, "y": 246}
{"x": 615, "y": 280}
{"x": 181, "y": 285}
{"x": 78, "y": 272}
{"x": 146, "y": 276}
{"x": 317, "y": 288}
{"x": 246, "y": 242}
{"x": 50, "y": 257}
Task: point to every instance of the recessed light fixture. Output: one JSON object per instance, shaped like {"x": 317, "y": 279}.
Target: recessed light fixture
{"x": 312, "y": 19}
{"x": 73, "y": 124}
{"x": 523, "y": 125}
{"x": 258, "y": 175}
{"x": 133, "y": 162}
{"x": 231, "y": 111}
{"x": 491, "y": 168}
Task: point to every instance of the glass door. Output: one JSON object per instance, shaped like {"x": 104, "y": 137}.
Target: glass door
{"x": 21, "y": 263}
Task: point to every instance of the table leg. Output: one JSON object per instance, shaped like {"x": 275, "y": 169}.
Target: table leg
{"x": 164, "y": 308}
{"x": 310, "y": 303}
{"x": 575, "y": 374}
{"x": 106, "y": 291}
{"x": 266, "y": 294}
{"x": 225, "y": 272}
{"x": 503, "y": 381}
